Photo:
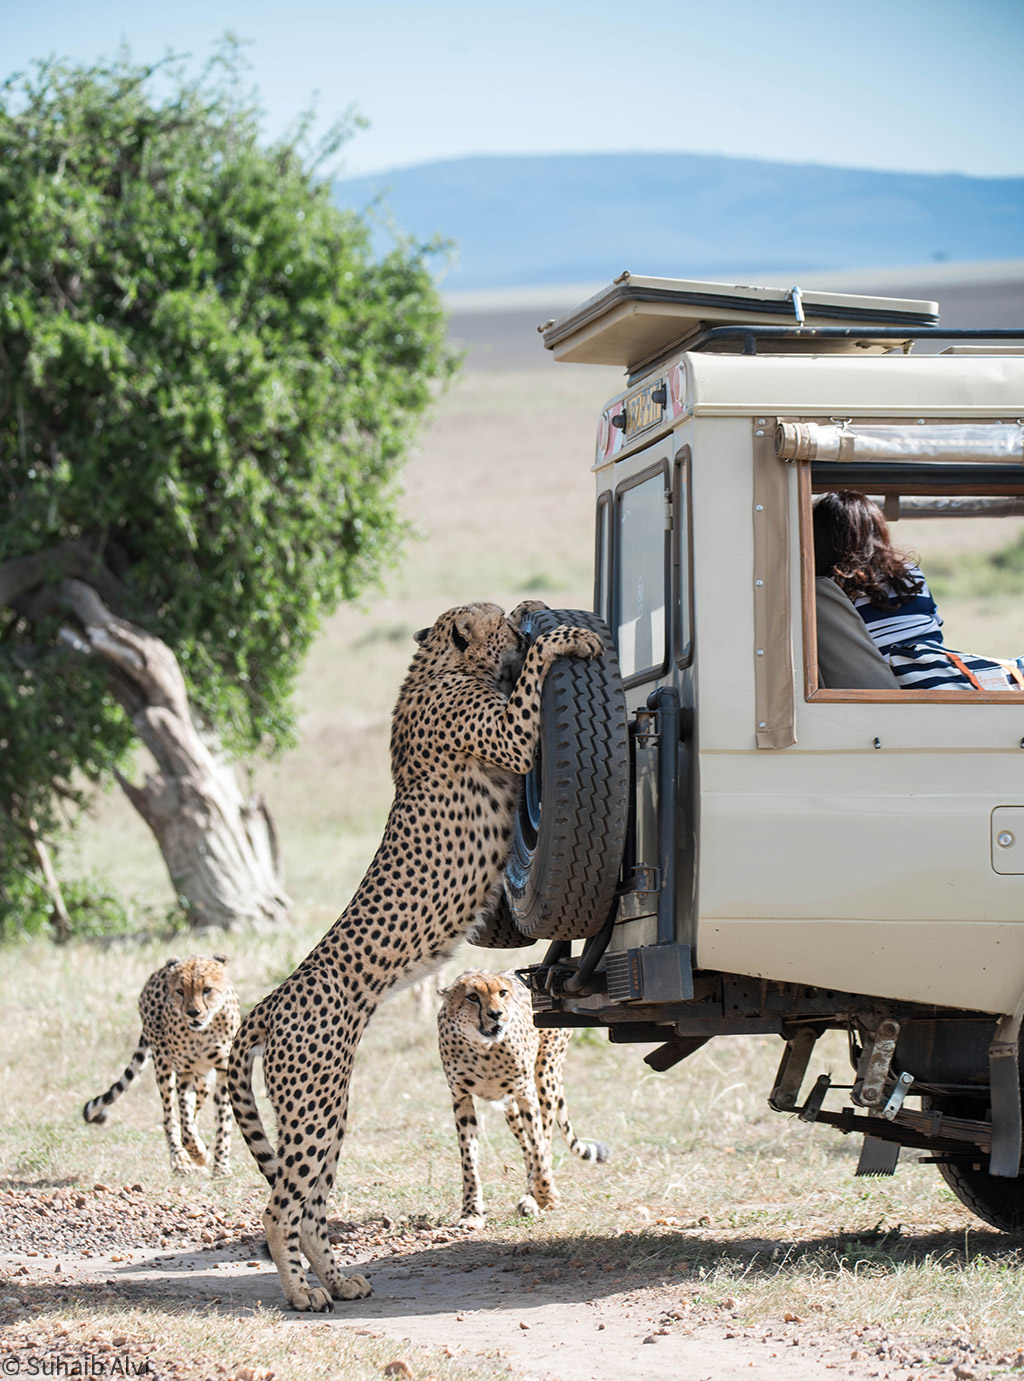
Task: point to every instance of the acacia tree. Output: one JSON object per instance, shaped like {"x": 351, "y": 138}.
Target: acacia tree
{"x": 207, "y": 383}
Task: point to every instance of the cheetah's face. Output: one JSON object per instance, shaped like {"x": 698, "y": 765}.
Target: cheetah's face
{"x": 480, "y": 1006}
{"x": 477, "y": 638}
{"x": 199, "y": 989}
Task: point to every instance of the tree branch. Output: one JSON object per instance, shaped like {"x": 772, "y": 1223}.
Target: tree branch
{"x": 133, "y": 654}
{"x": 69, "y": 560}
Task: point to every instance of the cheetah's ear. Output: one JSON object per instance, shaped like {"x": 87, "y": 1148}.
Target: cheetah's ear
{"x": 461, "y": 629}
{"x": 220, "y": 958}
{"x": 422, "y": 636}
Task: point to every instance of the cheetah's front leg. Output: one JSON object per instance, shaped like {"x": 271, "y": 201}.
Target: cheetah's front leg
{"x": 166, "y": 1082}
{"x": 222, "y": 1114}
{"x": 508, "y": 736}
{"x": 191, "y": 1096}
{"x": 473, "y": 1215}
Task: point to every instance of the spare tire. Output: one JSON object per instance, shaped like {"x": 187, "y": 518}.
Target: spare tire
{"x": 570, "y": 829}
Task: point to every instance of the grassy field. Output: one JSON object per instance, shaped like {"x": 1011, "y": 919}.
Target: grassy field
{"x": 706, "y": 1185}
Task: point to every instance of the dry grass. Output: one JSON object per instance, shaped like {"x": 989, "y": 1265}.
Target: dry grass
{"x": 188, "y": 1344}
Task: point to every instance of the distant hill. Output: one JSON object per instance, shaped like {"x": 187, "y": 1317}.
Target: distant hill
{"x": 524, "y": 221}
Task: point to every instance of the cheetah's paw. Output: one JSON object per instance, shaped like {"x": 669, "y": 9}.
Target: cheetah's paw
{"x": 527, "y": 606}
{"x": 584, "y": 643}
{"x": 312, "y": 1301}
{"x": 353, "y": 1287}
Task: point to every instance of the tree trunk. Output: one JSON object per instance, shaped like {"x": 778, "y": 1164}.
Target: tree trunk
{"x": 220, "y": 848}
{"x": 59, "y": 918}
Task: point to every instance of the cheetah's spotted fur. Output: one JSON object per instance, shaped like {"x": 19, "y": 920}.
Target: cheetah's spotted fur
{"x": 189, "y": 1011}
{"x": 491, "y": 1049}
{"x": 460, "y": 742}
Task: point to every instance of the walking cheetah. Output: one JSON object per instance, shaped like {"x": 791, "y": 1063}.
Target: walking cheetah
{"x": 491, "y": 1049}
{"x": 460, "y": 743}
{"x": 190, "y": 1016}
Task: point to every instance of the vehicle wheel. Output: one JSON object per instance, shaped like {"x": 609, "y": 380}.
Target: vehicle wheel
{"x": 570, "y": 828}
{"x": 498, "y": 930}
{"x": 995, "y": 1200}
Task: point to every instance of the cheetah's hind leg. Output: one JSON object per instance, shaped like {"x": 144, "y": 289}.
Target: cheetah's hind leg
{"x": 540, "y": 1187}
{"x": 282, "y": 1221}
{"x": 316, "y": 1243}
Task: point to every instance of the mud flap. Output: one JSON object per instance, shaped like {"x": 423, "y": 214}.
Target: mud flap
{"x": 1004, "y": 1081}
{"x": 878, "y": 1157}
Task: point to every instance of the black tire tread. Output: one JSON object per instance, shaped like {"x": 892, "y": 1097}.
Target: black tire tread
{"x": 585, "y": 774}
{"x": 996, "y": 1201}
{"x": 999, "y": 1202}
{"x": 498, "y": 929}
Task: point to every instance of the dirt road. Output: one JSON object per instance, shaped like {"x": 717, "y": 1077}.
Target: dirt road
{"x": 539, "y": 1315}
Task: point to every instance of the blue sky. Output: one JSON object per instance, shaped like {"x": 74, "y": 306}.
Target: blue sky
{"x": 914, "y": 85}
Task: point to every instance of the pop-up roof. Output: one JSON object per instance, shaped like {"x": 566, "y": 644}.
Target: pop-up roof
{"x": 636, "y": 320}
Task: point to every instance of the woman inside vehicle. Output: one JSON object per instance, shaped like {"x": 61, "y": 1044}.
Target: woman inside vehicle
{"x": 853, "y": 548}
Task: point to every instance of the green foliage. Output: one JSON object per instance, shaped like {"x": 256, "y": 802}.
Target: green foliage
{"x": 93, "y": 909}
{"x": 979, "y": 575}
{"x": 207, "y": 380}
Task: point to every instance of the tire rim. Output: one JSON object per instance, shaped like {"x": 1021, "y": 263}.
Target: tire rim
{"x": 530, "y": 809}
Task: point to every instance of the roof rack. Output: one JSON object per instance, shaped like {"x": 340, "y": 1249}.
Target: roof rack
{"x": 749, "y": 336}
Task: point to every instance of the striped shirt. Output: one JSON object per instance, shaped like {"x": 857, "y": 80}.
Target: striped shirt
{"x": 917, "y": 621}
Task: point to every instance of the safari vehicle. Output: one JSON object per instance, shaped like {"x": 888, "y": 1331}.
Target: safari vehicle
{"x": 743, "y": 843}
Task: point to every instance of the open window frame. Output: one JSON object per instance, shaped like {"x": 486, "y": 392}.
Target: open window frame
{"x": 899, "y": 480}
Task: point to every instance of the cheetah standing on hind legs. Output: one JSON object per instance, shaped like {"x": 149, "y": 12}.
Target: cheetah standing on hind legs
{"x": 491, "y": 1049}
{"x": 461, "y": 740}
{"x": 189, "y": 1011}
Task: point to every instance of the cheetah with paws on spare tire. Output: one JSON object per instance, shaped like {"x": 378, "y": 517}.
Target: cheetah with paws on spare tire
{"x": 491, "y": 1049}
{"x": 189, "y": 1011}
{"x": 464, "y": 732}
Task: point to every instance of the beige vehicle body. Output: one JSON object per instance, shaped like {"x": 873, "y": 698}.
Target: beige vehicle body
{"x": 850, "y": 842}
{"x": 800, "y": 856}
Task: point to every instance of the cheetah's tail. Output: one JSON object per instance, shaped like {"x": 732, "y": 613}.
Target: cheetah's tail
{"x": 96, "y": 1108}
{"x": 247, "y": 1045}
{"x": 586, "y": 1150}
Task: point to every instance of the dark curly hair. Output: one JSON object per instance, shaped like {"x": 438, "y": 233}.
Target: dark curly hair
{"x": 852, "y": 545}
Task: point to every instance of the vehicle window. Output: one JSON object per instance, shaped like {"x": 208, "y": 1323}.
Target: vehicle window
{"x": 963, "y": 630}
{"x": 640, "y": 564}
